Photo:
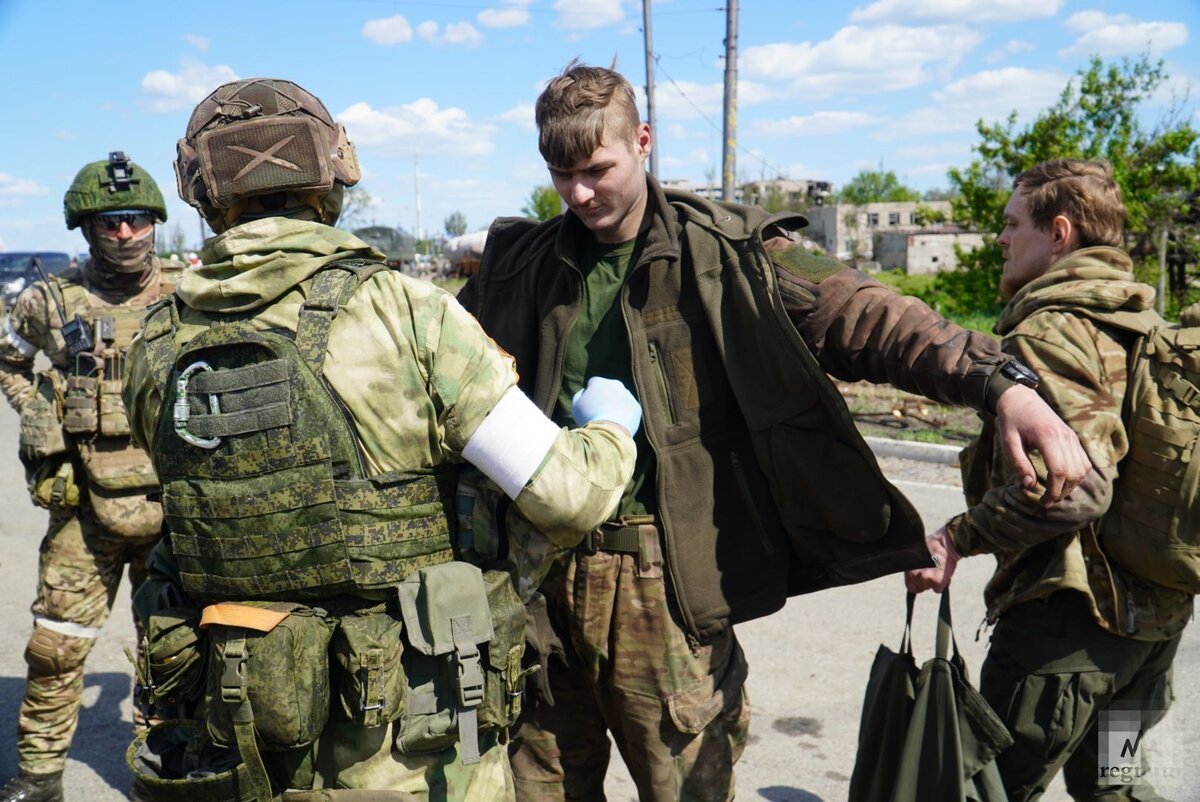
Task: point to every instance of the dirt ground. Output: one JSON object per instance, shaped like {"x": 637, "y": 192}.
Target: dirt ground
{"x": 883, "y": 411}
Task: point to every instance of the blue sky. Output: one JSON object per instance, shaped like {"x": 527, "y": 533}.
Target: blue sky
{"x": 825, "y": 88}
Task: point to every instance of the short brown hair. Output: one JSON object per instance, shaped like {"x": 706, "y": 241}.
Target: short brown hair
{"x": 1082, "y": 191}
{"x": 577, "y": 107}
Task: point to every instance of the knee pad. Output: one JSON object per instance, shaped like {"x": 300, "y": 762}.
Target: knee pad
{"x": 51, "y": 652}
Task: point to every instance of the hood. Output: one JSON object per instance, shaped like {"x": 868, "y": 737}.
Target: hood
{"x": 1098, "y": 278}
{"x": 254, "y": 264}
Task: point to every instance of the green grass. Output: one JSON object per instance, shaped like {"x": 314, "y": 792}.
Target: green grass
{"x": 922, "y": 287}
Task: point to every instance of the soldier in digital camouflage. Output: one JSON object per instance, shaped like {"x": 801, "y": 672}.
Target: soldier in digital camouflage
{"x": 751, "y": 481}
{"x": 75, "y": 443}
{"x": 1076, "y": 633}
{"x": 309, "y": 411}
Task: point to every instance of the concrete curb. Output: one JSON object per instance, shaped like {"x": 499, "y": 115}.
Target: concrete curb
{"x": 910, "y": 449}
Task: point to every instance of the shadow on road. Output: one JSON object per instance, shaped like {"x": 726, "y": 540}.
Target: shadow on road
{"x": 781, "y": 793}
{"x": 103, "y": 734}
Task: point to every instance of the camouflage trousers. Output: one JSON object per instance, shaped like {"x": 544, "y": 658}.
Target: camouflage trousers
{"x": 79, "y": 570}
{"x": 677, "y": 712}
{"x": 350, "y": 756}
{"x": 1049, "y": 673}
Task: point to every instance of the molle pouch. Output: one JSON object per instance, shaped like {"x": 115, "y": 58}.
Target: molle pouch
{"x": 81, "y": 414}
{"x": 505, "y": 681}
{"x": 119, "y": 474}
{"x": 52, "y": 483}
{"x": 175, "y": 647}
{"x": 447, "y": 618}
{"x": 370, "y": 677}
{"x": 42, "y": 418}
{"x": 113, "y": 421}
{"x": 272, "y": 657}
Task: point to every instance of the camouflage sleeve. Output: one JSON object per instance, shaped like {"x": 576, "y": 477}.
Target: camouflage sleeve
{"x": 143, "y": 401}
{"x": 23, "y": 333}
{"x": 1084, "y": 373}
{"x": 581, "y": 477}
{"x": 858, "y": 329}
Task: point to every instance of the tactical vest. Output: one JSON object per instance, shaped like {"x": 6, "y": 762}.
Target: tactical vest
{"x": 1152, "y": 527}
{"x": 265, "y": 490}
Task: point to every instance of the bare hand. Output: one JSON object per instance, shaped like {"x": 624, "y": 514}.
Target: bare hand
{"x": 1027, "y": 423}
{"x": 945, "y": 559}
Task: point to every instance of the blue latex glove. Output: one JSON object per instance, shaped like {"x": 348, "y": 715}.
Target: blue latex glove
{"x": 606, "y": 399}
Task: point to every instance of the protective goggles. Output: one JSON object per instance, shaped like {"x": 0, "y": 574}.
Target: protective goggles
{"x": 111, "y": 221}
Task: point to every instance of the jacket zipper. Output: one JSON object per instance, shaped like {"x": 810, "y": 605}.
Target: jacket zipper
{"x": 660, "y": 378}
{"x": 362, "y": 462}
{"x": 739, "y": 476}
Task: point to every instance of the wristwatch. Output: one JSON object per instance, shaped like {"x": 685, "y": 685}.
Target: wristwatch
{"x": 1011, "y": 372}
{"x": 1020, "y": 373}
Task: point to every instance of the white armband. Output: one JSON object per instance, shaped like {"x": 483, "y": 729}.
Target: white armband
{"x": 23, "y": 346}
{"x": 511, "y": 442}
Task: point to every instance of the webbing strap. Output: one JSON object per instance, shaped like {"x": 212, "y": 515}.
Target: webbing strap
{"x": 470, "y": 687}
{"x": 624, "y": 540}
{"x": 259, "y": 374}
{"x": 331, "y": 287}
{"x": 158, "y": 338}
{"x": 227, "y": 424}
{"x": 1183, "y": 390}
{"x": 233, "y": 693}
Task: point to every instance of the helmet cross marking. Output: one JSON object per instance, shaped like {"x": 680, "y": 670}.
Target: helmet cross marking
{"x": 261, "y": 157}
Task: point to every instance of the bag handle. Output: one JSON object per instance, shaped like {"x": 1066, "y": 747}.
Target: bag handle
{"x": 906, "y": 641}
{"x": 945, "y": 629}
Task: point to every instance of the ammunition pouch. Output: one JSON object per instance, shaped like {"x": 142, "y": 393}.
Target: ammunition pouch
{"x": 82, "y": 408}
{"x": 370, "y": 676}
{"x": 119, "y": 474}
{"x": 175, "y": 656}
{"x": 113, "y": 419}
{"x": 42, "y": 419}
{"x": 173, "y": 761}
{"x": 466, "y": 633}
{"x": 274, "y": 656}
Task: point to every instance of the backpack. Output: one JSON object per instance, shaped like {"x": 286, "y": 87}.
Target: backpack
{"x": 1152, "y": 527}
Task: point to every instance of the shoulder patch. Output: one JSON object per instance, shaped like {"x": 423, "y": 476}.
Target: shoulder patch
{"x": 801, "y": 263}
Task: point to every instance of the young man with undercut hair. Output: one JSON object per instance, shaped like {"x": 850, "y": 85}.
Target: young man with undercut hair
{"x": 1077, "y": 633}
{"x": 751, "y": 482}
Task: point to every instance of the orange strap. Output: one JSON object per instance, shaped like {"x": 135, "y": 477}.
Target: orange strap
{"x": 228, "y": 614}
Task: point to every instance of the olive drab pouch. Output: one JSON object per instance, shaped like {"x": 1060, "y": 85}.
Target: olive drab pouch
{"x": 174, "y": 762}
{"x": 272, "y": 656}
{"x": 175, "y": 656}
{"x": 504, "y": 676}
{"x": 42, "y": 418}
{"x": 1152, "y": 527}
{"x": 370, "y": 677}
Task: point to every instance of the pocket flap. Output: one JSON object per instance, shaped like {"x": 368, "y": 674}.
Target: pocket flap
{"x": 693, "y": 709}
{"x": 432, "y": 597}
{"x": 229, "y": 614}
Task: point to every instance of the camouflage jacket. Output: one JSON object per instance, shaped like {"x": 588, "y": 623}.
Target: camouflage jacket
{"x": 34, "y": 325}
{"x": 1084, "y": 368}
{"x": 414, "y": 370}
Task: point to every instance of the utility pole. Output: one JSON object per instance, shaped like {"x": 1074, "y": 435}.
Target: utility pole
{"x": 417, "y": 185}
{"x": 650, "y": 88}
{"x": 729, "y": 147}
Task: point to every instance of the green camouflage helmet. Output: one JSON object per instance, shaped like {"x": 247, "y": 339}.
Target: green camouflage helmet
{"x": 107, "y": 186}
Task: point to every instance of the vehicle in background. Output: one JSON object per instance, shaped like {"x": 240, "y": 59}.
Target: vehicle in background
{"x": 464, "y": 252}
{"x": 398, "y": 246}
{"x": 17, "y": 271}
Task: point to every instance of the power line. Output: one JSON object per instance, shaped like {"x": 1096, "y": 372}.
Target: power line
{"x": 502, "y": 7}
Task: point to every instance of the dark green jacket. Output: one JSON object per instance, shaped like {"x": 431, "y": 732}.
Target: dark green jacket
{"x": 765, "y": 488}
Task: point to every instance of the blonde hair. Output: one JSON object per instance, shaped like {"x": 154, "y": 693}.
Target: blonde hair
{"x": 578, "y": 107}
{"x": 1082, "y": 191}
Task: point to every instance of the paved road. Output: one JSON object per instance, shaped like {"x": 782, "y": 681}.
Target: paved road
{"x": 808, "y": 664}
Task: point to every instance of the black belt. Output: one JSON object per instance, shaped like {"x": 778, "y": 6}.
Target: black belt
{"x": 623, "y": 536}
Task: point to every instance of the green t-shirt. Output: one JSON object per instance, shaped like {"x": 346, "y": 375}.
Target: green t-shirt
{"x": 598, "y": 345}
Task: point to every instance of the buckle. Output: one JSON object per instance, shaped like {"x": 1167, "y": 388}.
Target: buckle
{"x": 182, "y": 411}
{"x": 233, "y": 679}
{"x": 470, "y": 677}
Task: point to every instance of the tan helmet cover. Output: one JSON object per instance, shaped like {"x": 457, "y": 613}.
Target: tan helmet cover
{"x": 259, "y": 136}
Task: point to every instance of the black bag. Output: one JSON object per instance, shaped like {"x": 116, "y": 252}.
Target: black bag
{"x": 928, "y": 734}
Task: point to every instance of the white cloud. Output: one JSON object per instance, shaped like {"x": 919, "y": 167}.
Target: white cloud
{"x": 821, "y": 122}
{"x": 13, "y": 187}
{"x": 955, "y": 10}
{"x": 388, "y": 31}
{"x": 1010, "y": 48}
{"x": 456, "y": 33}
{"x": 1121, "y": 35}
{"x": 588, "y": 14}
{"x": 863, "y": 60}
{"x": 989, "y": 95}
{"x": 521, "y": 114}
{"x": 428, "y": 30}
{"x": 197, "y": 41}
{"x": 173, "y": 91}
{"x": 509, "y": 15}
{"x": 421, "y": 125}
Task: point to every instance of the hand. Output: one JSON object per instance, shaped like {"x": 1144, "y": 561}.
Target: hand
{"x": 607, "y": 399}
{"x": 945, "y": 558}
{"x": 1027, "y": 423}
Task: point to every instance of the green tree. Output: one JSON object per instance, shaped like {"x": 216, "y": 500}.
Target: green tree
{"x": 876, "y": 186}
{"x": 456, "y": 224}
{"x": 543, "y": 204}
{"x": 355, "y": 203}
{"x": 1098, "y": 115}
